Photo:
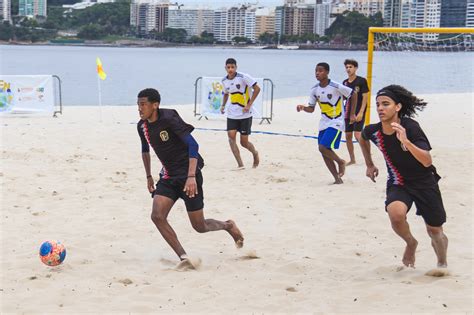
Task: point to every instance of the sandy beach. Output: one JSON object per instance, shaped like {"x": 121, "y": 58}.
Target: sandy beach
{"x": 320, "y": 248}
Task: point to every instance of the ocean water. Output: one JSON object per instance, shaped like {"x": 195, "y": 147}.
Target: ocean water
{"x": 173, "y": 71}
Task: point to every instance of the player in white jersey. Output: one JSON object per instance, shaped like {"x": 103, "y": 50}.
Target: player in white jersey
{"x": 237, "y": 87}
{"x": 329, "y": 95}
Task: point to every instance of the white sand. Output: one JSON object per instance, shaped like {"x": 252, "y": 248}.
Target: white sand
{"x": 321, "y": 248}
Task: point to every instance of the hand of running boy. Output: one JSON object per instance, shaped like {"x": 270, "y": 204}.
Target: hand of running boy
{"x": 299, "y": 108}
{"x": 150, "y": 184}
{"x": 352, "y": 119}
{"x": 222, "y": 109}
{"x": 190, "y": 187}
{"x": 372, "y": 172}
{"x": 401, "y": 133}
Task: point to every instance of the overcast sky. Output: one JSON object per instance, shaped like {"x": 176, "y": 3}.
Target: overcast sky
{"x": 227, "y": 3}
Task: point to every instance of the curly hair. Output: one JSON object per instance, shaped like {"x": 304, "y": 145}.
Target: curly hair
{"x": 410, "y": 103}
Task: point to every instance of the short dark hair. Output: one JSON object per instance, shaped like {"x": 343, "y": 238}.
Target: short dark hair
{"x": 230, "y": 61}
{"x": 351, "y": 62}
{"x": 152, "y": 95}
{"x": 325, "y": 65}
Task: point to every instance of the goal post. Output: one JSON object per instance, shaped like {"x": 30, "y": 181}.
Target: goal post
{"x": 389, "y": 30}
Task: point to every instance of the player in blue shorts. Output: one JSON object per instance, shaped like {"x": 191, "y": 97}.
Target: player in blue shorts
{"x": 330, "y": 96}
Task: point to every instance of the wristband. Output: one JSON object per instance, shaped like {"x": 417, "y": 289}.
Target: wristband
{"x": 191, "y": 176}
{"x": 148, "y": 176}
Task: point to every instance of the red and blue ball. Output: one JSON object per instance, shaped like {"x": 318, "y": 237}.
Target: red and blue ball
{"x": 52, "y": 253}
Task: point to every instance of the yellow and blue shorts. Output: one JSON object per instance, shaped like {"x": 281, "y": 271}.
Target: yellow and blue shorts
{"x": 330, "y": 138}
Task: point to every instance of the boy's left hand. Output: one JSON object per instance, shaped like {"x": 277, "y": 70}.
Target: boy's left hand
{"x": 401, "y": 133}
{"x": 190, "y": 187}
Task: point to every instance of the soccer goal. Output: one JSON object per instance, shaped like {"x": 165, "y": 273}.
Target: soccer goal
{"x": 424, "y": 60}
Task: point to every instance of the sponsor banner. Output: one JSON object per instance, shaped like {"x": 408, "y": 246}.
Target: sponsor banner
{"x": 26, "y": 94}
{"x": 213, "y": 94}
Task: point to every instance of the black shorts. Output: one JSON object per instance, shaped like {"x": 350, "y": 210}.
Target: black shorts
{"x": 427, "y": 200}
{"x": 244, "y": 126}
{"x": 173, "y": 189}
{"x": 356, "y": 126}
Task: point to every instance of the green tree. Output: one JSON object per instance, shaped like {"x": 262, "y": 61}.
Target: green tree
{"x": 207, "y": 38}
{"x": 113, "y": 19}
{"x": 91, "y": 31}
{"x": 268, "y": 38}
{"x": 241, "y": 40}
{"x": 352, "y": 27}
{"x": 172, "y": 35}
{"x": 6, "y": 31}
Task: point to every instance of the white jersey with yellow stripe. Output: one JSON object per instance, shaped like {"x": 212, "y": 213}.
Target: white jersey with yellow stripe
{"x": 330, "y": 99}
{"x": 239, "y": 91}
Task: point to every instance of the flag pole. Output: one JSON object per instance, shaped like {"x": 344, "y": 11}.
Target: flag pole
{"x": 100, "y": 98}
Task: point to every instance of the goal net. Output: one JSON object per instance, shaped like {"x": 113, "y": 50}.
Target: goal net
{"x": 425, "y": 61}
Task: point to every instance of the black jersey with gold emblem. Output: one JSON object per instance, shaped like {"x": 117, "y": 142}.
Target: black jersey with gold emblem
{"x": 360, "y": 86}
{"x": 167, "y": 136}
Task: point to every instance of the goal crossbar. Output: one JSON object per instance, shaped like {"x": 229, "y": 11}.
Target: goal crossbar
{"x": 370, "y": 48}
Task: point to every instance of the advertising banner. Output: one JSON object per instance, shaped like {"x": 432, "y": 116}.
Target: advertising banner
{"x": 213, "y": 94}
{"x": 26, "y": 94}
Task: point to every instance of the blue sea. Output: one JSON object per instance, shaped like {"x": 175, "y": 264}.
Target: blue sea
{"x": 173, "y": 71}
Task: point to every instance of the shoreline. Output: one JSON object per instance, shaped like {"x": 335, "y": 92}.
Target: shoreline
{"x": 138, "y": 44}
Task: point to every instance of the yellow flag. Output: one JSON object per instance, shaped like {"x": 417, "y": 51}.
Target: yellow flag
{"x": 100, "y": 71}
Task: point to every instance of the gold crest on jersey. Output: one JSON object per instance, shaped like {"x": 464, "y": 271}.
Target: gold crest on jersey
{"x": 164, "y": 135}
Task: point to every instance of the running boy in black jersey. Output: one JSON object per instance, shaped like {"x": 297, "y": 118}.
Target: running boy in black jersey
{"x": 411, "y": 175}
{"x": 171, "y": 139}
{"x": 355, "y": 123}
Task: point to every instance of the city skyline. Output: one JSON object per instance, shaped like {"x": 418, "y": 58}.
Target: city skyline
{"x": 226, "y": 3}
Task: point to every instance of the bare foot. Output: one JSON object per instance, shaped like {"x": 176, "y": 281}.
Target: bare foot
{"x": 338, "y": 181}
{"x": 256, "y": 160}
{"x": 342, "y": 168}
{"x": 409, "y": 255}
{"x": 236, "y": 234}
{"x": 351, "y": 162}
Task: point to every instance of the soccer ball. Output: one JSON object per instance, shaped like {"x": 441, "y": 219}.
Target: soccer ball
{"x": 52, "y": 253}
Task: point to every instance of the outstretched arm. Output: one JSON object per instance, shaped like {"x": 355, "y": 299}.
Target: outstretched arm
{"x": 308, "y": 109}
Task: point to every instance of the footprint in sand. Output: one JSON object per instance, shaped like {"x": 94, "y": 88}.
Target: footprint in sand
{"x": 438, "y": 272}
{"x": 277, "y": 179}
{"x": 125, "y": 281}
{"x": 188, "y": 264}
{"x": 119, "y": 177}
{"x": 249, "y": 255}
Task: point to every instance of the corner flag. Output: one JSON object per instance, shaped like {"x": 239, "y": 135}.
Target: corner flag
{"x": 100, "y": 71}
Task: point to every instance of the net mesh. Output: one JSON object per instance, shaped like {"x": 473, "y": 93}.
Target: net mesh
{"x": 423, "y": 42}
{"x": 425, "y": 63}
